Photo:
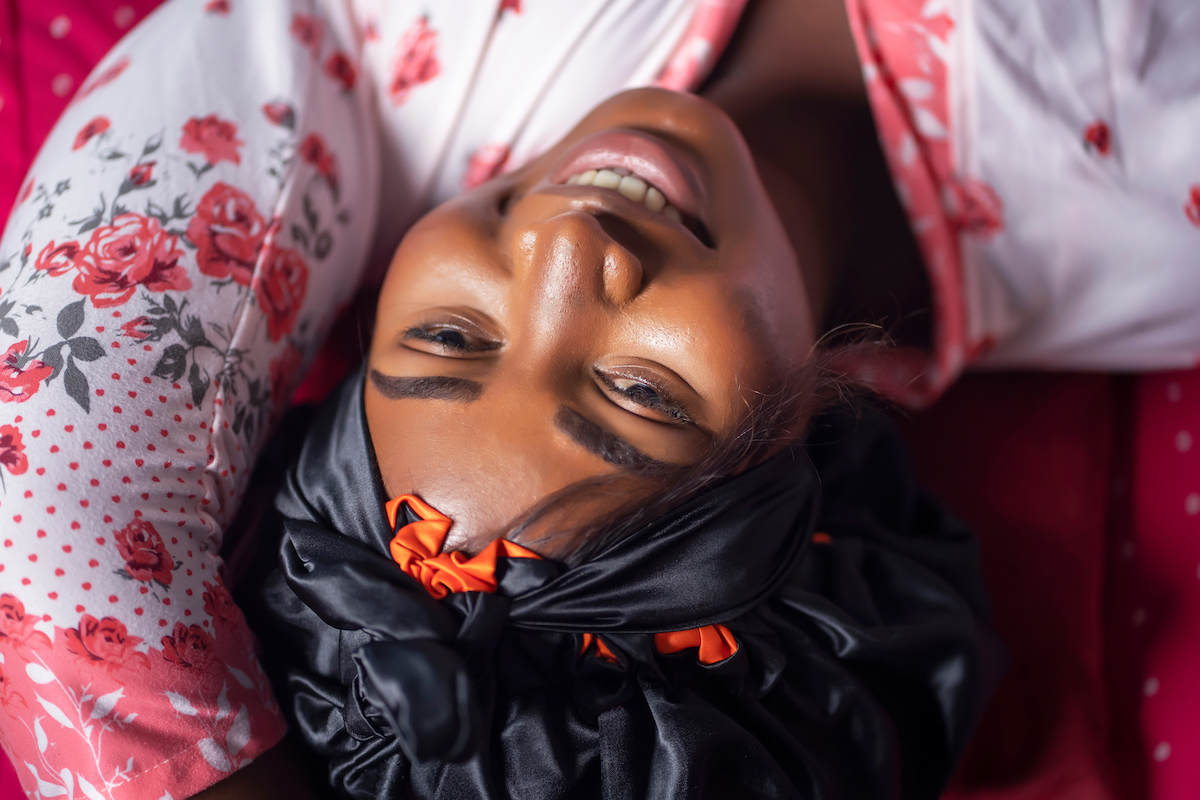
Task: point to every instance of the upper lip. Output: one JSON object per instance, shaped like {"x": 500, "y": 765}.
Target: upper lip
{"x": 644, "y": 154}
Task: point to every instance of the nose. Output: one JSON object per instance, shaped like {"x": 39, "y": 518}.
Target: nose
{"x": 573, "y": 261}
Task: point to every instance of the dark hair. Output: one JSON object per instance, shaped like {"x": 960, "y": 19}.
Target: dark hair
{"x": 642, "y": 494}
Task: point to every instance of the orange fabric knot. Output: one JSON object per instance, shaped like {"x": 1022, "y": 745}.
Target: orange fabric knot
{"x": 716, "y": 642}
{"x": 602, "y": 651}
{"x": 417, "y": 548}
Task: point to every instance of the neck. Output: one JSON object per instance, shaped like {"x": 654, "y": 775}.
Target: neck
{"x": 792, "y": 83}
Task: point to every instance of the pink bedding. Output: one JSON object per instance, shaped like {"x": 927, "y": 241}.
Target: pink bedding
{"x": 47, "y": 48}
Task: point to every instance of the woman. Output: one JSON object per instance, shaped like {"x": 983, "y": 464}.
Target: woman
{"x": 254, "y": 250}
{"x": 217, "y": 253}
{"x": 539, "y": 306}
{"x": 658, "y": 627}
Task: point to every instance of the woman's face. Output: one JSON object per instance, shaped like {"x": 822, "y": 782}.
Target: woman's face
{"x": 539, "y": 330}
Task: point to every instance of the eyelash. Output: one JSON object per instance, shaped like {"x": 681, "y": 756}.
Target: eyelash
{"x": 662, "y": 403}
{"x": 432, "y": 334}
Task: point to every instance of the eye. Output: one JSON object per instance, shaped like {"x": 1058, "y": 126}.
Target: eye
{"x": 638, "y": 392}
{"x": 452, "y": 340}
{"x": 641, "y": 397}
{"x": 448, "y": 338}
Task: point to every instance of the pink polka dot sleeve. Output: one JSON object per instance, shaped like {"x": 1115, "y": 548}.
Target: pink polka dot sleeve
{"x": 183, "y": 241}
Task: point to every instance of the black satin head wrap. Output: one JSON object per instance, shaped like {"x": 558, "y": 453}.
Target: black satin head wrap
{"x": 860, "y": 672}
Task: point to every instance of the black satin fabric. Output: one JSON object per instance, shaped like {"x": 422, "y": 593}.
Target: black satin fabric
{"x": 863, "y": 664}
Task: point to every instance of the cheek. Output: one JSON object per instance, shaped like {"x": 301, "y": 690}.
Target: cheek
{"x": 777, "y": 313}
{"x": 423, "y": 460}
{"x": 482, "y": 472}
{"x": 760, "y": 256}
{"x": 449, "y": 257}
{"x": 712, "y": 329}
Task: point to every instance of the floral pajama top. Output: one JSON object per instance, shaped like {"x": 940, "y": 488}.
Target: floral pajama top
{"x": 191, "y": 228}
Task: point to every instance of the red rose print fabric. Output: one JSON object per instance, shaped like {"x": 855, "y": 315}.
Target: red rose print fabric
{"x": 134, "y": 252}
{"x": 214, "y": 138}
{"x": 339, "y": 67}
{"x": 416, "y": 60}
{"x": 1043, "y": 215}
{"x": 228, "y": 232}
{"x": 1192, "y": 208}
{"x": 94, "y": 127}
{"x": 468, "y": 93}
{"x": 12, "y": 451}
{"x": 174, "y": 258}
{"x": 88, "y": 687}
{"x": 141, "y": 174}
{"x": 20, "y": 374}
{"x": 146, "y": 557}
{"x": 309, "y": 31}
{"x": 104, "y": 643}
{"x": 280, "y": 113}
{"x": 314, "y": 151}
{"x": 1098, "y": 136}
{"x": 280, "y": 288}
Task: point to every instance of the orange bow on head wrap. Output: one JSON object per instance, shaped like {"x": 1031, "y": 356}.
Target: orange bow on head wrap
{"x": 417, "y": 548}
{"x": 716, "y": 642}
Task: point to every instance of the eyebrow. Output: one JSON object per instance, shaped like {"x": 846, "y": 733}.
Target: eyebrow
{"x": 583, "y": 431}
{"x": 434, "y": 387}
{"x": 603, "y": 443}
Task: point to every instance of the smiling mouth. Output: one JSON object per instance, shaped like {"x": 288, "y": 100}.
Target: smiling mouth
{"x": 642, "y": 168}
{"x": 633, "y": 186}
{"x": 630, "y": 184}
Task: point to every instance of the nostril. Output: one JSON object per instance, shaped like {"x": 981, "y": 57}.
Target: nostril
{"x": 623, "y": 275}
{"x": 505, "y": 201}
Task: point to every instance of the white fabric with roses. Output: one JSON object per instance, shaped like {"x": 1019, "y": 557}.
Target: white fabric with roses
{"x": 176, "y": 254}
{"x": 186, "y": 237}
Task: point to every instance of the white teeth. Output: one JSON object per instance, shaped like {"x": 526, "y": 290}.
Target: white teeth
{"x": 635, "y": 188}
{"x": 655, "y": 200}
{"x": 606, "y": 179}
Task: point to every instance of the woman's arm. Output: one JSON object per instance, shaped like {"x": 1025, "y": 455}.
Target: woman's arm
{"x": 173, "y": 261}
{"x": 276, "y": 773}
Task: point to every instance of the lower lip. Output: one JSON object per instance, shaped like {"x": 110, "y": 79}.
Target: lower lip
{"x": 645, "y": 155}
